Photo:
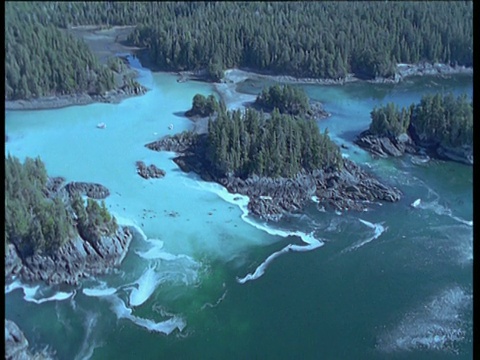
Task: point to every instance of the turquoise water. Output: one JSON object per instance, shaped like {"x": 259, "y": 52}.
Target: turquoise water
{"x": 392, "y": 282}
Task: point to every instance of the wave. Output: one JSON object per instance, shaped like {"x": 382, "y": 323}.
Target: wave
{"x": 146, "y": 285}
{"x": 165, "y": 327}
{"x": 98, "y": 292}
{"x": 156, "y": 252}
{"x": 438, "y": 325}
{"x": 378, "y": 230}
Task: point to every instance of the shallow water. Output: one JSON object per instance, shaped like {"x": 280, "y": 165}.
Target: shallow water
{"x": 394, "y": 281}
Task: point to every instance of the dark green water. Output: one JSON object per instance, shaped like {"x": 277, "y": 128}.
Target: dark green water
{"x": 406, "y": 294}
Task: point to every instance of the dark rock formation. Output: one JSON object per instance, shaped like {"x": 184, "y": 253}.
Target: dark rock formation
{"x": 92, "y": 190}
{"x": 78, "y": 258}
{"x": 16, "y": 344}
{"x": 150, "y": 171}
{"x": 411, "y": 143}
{"x": 348, "y": 188}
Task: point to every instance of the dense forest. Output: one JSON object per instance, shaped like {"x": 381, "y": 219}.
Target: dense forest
{"x": 246, "y": 143}
{"x": 305, "y": 39}
{"x": 36, "y": 222}
{"x": 203, "y": 106}
{"x": 287, "y": 99}
{"x": 441, "y": 119}
{"x": 42, "y": 60}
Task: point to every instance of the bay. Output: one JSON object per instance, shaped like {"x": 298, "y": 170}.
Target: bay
{"x": 392, "y": 282}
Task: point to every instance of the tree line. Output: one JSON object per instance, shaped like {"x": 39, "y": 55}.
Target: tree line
{"x": 42, "y": 60}
{"x": 306, "y": 39}
{"x": 442, "y": 119}
{"x": 303, "y": 39}
{"x": 38, "y": 223}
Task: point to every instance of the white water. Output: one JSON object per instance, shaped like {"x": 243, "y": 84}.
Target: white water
{"x": 435, "y": 325}
{"x": 378, "y": 231}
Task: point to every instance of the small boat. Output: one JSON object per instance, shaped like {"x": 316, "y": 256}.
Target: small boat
{"x": 101, "y": 125}
{"x": 170, "y": 127}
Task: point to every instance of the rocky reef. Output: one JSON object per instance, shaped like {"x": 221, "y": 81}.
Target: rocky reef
{"x": 150, "y": 171}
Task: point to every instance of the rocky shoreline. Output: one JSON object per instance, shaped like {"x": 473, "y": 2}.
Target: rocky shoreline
{"x": 350, "y": 188}
{"x": 61, "y": 101}
{"x": 76, "y": 259}
{"x": 409, "y": 143}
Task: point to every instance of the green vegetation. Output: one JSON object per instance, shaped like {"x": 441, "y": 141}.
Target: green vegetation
{"x": 246, "y": 143}
{"x": 304, "y": 39}
{"x": 203, "y": 106}
{"x": 389, "y": 120}
{"x": 35, "y": 223}
{"x": 446, "y": 120}
{"x": 286, "y": 98}
{"x": 42, "y": 60}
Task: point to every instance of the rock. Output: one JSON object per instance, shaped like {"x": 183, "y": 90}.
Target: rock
{"x": 16, "y": 345}
{"x": 92, "y": 190}
{"x": 71, "y": 261}
{"x": 150, "y": 171}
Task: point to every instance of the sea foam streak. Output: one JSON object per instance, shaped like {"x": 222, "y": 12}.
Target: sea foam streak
{"x": 30, "y": 292}
{"x": 242, "y": 202}
{"x": 437, "y": 325}
{"x": 442, "y": 210}
{"x": 147, "y": 284}
{"x": 378, "y": 230}
{"x": 165, "y": 327}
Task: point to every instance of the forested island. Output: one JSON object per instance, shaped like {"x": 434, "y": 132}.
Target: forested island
{"x": 439, "y": 125}
{"x": 51, "y": 235}
{"x": 280, "y": 162}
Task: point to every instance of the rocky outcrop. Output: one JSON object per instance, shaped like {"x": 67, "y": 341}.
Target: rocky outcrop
{"x": 78, "y": 258}
{"x": 411, "y": 143}
{"x": 16, "y": 344}
{"x": 385, "y": 146}
{"x": 92, "y": 190}
{"x": 349, "y": 188}
{"x": 150, "y": 171}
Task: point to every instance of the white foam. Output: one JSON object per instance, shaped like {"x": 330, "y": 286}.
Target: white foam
{"x": 442, "y": 210}
{"x": 97, "y": 292}
{"x": 165, "y": 327}
{"x": 415, "y": 203}
{"x": 147, "y": 284}
{"x": 29, "y": 293}
{"x": 156, "y": 252}
{"x": 378, "y": 230}
{"x": 312, "y": 242}
{"x": 315, "y": 199}
{"x": 436, "y": 325}
{"x": 122, "y": 221}
{"x": 242, "y": 202}
{"x": 88, "y": 345}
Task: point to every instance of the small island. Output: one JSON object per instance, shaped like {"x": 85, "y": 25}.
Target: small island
{"x": 440, "y": 126}
{"x": 51, "y": 235}
{"x": 280, "y": 161}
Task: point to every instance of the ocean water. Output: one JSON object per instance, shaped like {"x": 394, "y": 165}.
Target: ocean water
{"x": 203, "y": 280}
